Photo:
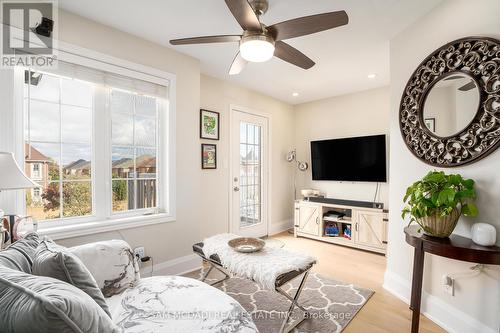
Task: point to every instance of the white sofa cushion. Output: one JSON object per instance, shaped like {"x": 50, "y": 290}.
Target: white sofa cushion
{"x": 179, "y": 304}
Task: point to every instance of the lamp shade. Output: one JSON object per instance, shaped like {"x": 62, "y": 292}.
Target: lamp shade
{"x": 11, "y": 175}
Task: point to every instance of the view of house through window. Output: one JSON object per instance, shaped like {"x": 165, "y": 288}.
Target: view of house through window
{"x": 134, "y": 119}
{"x": 58, "y": 145}
{"x": 59, "y": 114}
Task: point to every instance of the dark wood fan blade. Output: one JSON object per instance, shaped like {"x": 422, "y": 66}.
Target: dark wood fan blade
{"x": 292, "y": 55}
{"x": 468, "y": 86}
{"x": 206, "y": 39}
{"x": 308, "y": 25}
{"x": 238, "y": 64}
{"x": 244, "y": 14}
{"x": 453, "y": 77}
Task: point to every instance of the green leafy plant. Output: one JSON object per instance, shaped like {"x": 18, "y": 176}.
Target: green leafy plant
{"x": 438, "y": 194}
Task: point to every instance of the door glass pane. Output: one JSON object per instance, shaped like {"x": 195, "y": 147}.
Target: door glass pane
{"x": 250, "y": 182}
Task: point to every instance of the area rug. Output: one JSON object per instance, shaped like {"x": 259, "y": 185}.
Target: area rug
{"x": 332, "y": 304}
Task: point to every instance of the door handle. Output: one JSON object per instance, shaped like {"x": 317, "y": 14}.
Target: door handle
{"x": 236, "y": 189}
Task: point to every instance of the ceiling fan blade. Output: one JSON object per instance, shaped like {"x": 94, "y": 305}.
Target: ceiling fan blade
{"x": 238, "y": 64}
{"x": 308, "y": 25}
{"x": 292, "y": 55}
{"x": 206, "y": 39}
{"x": 453, "y": 77}
{"x": 468, "y": 86}
{"x": 244, "y": 14}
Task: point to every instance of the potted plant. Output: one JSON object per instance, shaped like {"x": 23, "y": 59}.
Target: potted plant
{"x": 437, "y": 201}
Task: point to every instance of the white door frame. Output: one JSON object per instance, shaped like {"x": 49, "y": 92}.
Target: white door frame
{"x": 268, "y": 116}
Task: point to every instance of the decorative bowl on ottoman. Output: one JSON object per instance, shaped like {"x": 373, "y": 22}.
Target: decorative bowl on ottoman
{"x": 246, "y": 244}
{"x": 437, "y": 201}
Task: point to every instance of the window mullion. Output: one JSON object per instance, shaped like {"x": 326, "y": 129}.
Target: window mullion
{"x": 61, "y": 185}
{"x": 102, "y": 155}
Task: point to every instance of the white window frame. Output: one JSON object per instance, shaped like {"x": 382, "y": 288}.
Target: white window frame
{"x": 103, "y": 219}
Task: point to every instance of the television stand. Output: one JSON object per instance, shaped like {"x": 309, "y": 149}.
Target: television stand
{"x": 363, "y": 224}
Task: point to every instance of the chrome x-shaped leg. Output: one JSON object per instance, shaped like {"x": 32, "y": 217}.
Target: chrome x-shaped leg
{"x": 295, "y": 303}
{"x": 217, "y": 267}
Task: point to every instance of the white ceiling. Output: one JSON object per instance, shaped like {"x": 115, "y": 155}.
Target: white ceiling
{"x": 344, "y": 56}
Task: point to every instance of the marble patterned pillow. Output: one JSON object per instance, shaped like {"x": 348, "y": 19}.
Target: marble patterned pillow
{"x": 57, "y": 262}
{"x": 112, "y": 264}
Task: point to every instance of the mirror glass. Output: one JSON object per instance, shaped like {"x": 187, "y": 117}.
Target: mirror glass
{"x": 451, "y": 104}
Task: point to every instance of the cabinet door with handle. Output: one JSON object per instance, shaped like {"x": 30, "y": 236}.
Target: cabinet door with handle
{"x": 370, "y": 229}
{"x": 307, "y": 219}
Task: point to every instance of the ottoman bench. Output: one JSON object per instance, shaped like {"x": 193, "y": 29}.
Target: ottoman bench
{"x": 214, "y": 261}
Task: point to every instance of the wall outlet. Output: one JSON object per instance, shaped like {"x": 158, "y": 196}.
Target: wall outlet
{"x": 449, "y": 285}
{"x": 139, "y": 252}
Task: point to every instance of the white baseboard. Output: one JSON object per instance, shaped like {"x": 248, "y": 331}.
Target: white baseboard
{"x": 276, "y": 228}
{"x": 449, "y": 318}
{"x": 177, "y": 266}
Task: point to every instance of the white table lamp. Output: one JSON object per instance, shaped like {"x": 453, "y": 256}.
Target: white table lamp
{"x": 12, "y": 176}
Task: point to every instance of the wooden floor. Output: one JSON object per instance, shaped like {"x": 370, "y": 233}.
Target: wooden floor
{"x": 383, "y": 312}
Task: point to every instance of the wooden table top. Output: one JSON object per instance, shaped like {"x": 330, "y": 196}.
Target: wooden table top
{"x": 454, "y": 247}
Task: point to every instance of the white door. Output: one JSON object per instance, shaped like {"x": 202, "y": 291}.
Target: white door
{"x": 249, "y": 174}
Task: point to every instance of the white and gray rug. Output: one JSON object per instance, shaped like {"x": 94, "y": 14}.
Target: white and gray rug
{"x": 332, "y": 304}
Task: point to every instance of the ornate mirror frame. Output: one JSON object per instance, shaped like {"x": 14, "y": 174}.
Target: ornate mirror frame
{"x": 477, "y": 57}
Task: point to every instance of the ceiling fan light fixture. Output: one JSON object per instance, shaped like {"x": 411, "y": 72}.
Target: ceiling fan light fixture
{"x": 257, "y": 48}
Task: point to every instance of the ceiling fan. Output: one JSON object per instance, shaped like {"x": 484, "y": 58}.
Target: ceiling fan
{"x": 465, "y": 87}
{"x": 259, "y": 42}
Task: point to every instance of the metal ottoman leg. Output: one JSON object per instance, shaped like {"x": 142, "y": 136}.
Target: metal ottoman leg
{"x": 294, "y": 304}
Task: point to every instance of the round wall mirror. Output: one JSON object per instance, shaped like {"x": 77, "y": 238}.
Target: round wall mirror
{"x": 451, "y": 104}
{"x": 449, "y": 113}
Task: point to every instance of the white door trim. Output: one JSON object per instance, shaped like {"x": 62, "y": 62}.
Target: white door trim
{"x": 268, "y": 116}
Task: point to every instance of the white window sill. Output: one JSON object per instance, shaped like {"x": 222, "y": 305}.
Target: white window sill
{"x": 95, "y": 227}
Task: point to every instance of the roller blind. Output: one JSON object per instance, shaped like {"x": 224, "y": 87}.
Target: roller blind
{"x": 108, "y": 79}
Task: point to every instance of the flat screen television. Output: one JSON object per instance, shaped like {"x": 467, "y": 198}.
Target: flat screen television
{"x": 361, "y": 159}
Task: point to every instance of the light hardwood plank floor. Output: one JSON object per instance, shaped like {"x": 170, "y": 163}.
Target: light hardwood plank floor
{"x": 383, "y": 312}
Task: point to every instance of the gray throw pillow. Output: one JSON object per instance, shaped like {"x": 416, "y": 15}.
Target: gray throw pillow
{"x": 45, "y": 305}
{"x": 57, "y": 262}
{"x": 19, "y": 255}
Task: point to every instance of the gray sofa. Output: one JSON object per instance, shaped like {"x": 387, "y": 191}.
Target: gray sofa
{"x": 32, "y": 303}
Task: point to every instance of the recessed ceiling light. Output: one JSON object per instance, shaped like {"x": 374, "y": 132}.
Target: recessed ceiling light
{"x": 372, "y": 76}
{"x": 295, "y": 94}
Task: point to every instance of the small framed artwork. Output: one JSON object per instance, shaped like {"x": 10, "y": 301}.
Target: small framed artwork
{"x": 209, "y": 124}
{"x": 208, "y": 156}
{"x": 431, "y": 124}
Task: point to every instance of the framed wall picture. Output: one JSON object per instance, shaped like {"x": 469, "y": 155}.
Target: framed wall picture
{"x": 209, "y": 124}
{"x": 431, "y": 124}
{"x": 208, "y": 156}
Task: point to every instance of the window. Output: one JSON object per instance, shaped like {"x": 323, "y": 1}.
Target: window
{"x": 35, "y": 171}
{"x": 134, "y": 150}
{"x": 59, "y": 133}
{"x": 78, "y": 160}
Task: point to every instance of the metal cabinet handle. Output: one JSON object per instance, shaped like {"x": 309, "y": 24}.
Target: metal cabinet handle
{"x": 236, "y": 189}
{"x": 357, "y": 226}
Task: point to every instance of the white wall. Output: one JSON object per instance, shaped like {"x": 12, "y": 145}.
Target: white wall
{"x": 358, "y": 114}
{"x": 217, "y": 95}
{"x": 476, "y": 304}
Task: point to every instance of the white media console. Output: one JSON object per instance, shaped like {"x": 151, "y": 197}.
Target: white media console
{"x": 368, "y": 225}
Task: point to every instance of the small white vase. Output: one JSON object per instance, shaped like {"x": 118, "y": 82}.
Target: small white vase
{"x": 484, "y": 234}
